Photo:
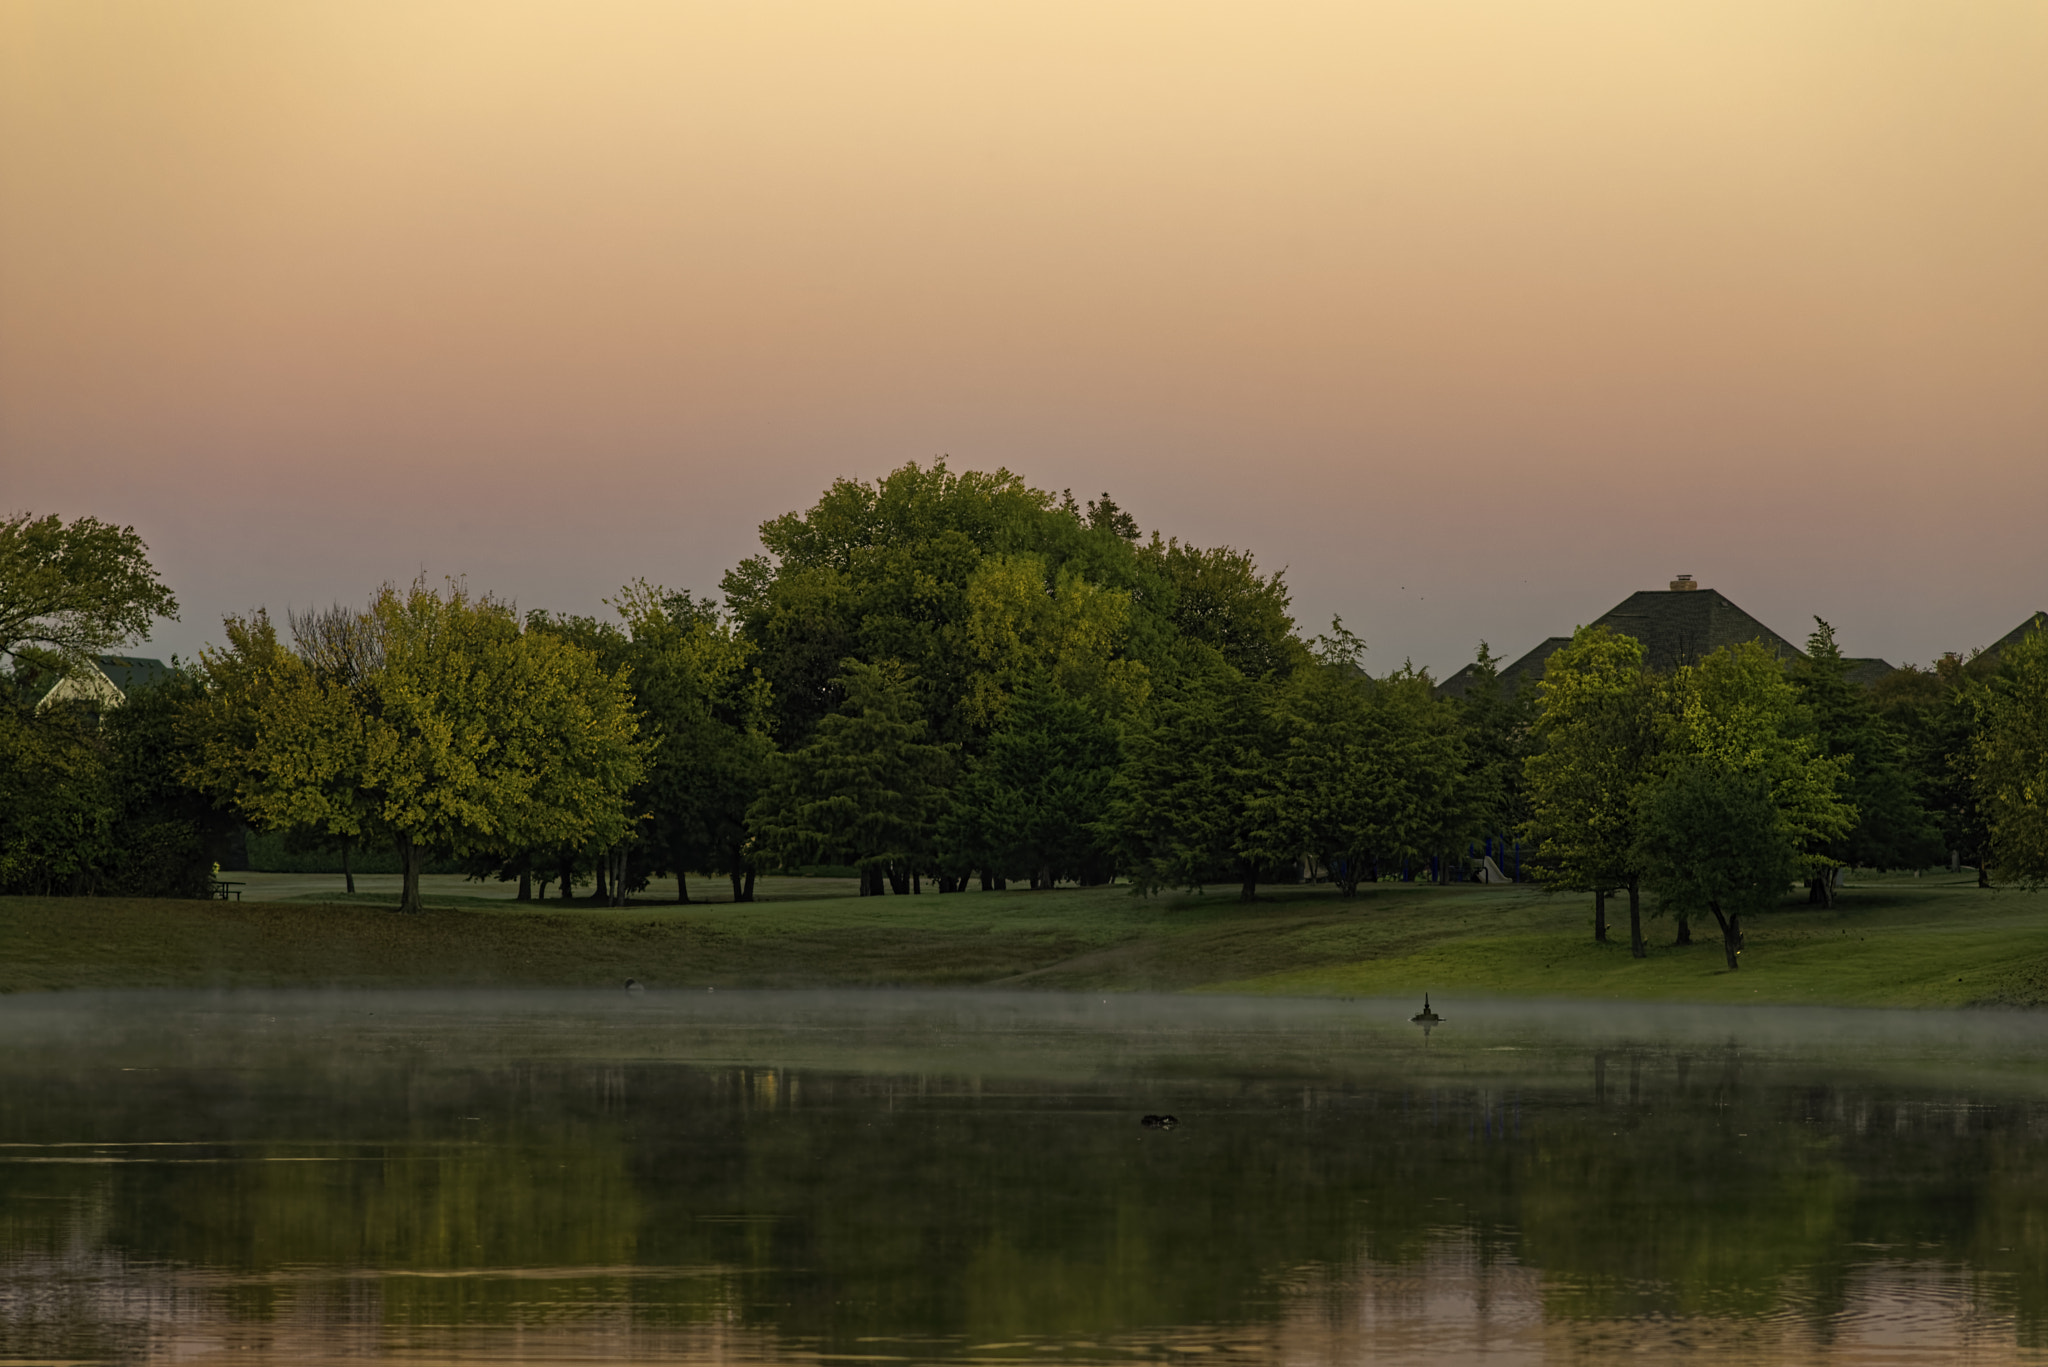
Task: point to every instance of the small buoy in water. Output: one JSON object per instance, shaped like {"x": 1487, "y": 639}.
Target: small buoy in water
{"x": 1426, "y": 1016}
{"x": 633, "y": 985}
{"x": 1160, "y": 1122}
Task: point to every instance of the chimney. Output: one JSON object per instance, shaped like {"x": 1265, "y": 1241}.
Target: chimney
{"x": 1683, "y": 584}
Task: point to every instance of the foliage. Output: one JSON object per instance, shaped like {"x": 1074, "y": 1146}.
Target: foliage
{"x": 1711, "y": 837}
{"x": 1599, "y": 741}
{"x": 1738, "y": 709}
{"x": 1032, "y": 804}
{"x": 1893, "y": 829}
{"x": 468, "y": 735}
{"x": 2010, "y": 773}
{"x": 1198, "y": 797}
{"x": 1370, "y": 769}
{"x": 708, "y": 709}
{"x": 1218, "y": 598}
{"x": 866, "y": 790}
{"x": 72, "y": 590}
{"x": 93, "y": 803}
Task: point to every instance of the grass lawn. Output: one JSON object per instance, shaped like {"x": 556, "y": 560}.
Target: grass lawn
{"x": 1895, "y": 941}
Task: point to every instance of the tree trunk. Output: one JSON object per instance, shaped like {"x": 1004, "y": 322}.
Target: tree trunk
{"x": 916, "y": 883}
{"x": 602, "y": 893}
{"x": 1250, "y": 891}
{"x": 348, "y": 876}
{"x": 682, "y": 888}
{"x": 568, "y": 879}
{"x": 409, "y": 861}
{"x": 747, "y": 891}
{"x": 1731, "y": 934}
{"x": 1684, "y": 931}
{"x": 1600, "y": 917}
{"x": 734, "y": 874}
{"x": 526, "y": 885}
{"x": 988, "y": 881}
{"x": 1635, "y": 919}
{"x": 899, "y": 881}
{"x": 1983, "y": 870}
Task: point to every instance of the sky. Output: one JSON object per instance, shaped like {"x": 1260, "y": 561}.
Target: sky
{"x": 1473, "y": 315}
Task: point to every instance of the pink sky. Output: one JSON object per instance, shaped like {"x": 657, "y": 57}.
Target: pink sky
{"x": 1475, "y": 316}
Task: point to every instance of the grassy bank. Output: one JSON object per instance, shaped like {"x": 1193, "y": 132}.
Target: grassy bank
{"x": 1935, "y": 941}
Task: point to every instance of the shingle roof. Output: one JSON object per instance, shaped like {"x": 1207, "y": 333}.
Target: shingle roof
{"x": 1997, "y": 647}
{"x": 130, "y": 672}
{"x": 1676, "y": 626}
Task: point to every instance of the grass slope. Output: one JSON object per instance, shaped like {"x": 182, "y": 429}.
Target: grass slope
{"x": 1890, "y": 942}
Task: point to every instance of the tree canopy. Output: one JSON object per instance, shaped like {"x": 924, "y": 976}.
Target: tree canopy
{"x": 70, "y": 590}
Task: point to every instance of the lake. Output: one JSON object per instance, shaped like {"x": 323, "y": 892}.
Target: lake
{"x": 966, "y": 1177}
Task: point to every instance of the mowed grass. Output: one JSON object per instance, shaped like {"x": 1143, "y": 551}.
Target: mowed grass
{"x": 1899, "y": 941}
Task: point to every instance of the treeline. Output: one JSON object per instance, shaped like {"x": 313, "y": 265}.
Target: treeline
{"x": 944, "y": 680}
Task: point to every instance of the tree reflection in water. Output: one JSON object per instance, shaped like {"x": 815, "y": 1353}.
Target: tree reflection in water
{"x": 276, "y": 1179}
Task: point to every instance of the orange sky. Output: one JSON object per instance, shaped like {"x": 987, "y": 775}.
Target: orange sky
{"x": 1477, "y": 316}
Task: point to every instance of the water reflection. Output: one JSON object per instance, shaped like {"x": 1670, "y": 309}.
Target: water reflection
{"x": 777, "y": 1177}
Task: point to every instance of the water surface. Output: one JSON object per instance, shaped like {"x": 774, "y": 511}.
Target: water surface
{"x": 963, "y": 1177}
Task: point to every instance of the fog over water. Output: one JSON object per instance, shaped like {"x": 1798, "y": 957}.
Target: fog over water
{"x": 954, "y": 1176}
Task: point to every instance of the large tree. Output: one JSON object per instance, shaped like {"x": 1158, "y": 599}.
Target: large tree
{"x": 1598, "y": 738}
{"x": 1031, "y": 805}
{"x": 1199, "y": 797}
{"x": 471, "y": 735}
{"x": 1710, "y": 837}
{"x": 866, "y": 791}
{"x": 71, "y": 590}
{"x": 1370, "y": 770}
{"x": 1893, "y": 829}
{"x": 708, "y": 708}
{"x": 2010, "y": 753}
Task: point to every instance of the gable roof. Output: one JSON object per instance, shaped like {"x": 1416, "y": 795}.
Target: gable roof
{"x": 106, "y": 681}
{"x": 1676, "y": 626}
{"x": 2012, "y": 638}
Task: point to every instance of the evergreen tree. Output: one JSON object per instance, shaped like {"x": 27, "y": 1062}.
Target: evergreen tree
{"x": 1198, "y": 798}
{"x": 1893, "y": 828}
{"x": 867, "y": 789}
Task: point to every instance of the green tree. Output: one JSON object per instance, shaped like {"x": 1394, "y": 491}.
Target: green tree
{"x": 1368, "y": 774}
{"x": 1219, "y": 598}
{"x": 1738, "y": 708}
{"x": 1710, "y": 837}
{"x": 2010, "y": 751}
{"x": 708, "y": 709}
{"x": 1199, "y": 795}
{"x": 1893, "y": 828}
{"x": 69, "y": 591}
{"x": 1599, "y": 742}
{"x": 470, "y": 736}
{"x": 57, "y": 804}
{"x": 1032, "y": 804}
{"x": 866, "y": 791}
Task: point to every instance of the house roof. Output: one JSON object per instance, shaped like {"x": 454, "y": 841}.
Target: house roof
{"x": 1997, "y": 647}
{"x": 108, "y": 681}
{"x": 1676, "y": 626}
{"x": 130, "y": 672}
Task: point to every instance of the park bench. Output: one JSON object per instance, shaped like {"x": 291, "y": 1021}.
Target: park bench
{"x": 222, "y": 891}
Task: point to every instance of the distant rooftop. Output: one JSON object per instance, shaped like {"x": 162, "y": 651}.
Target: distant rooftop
{"x": 1676, "y": 626}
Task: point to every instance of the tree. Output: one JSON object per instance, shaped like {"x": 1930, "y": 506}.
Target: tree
{"x": 1369, "y": 773}
{"x": 866, "y": 790}
{"x": 57, "y": 806}
{"x": 1711, "y": 837}
{"x": 469, "y": 736}
{"x": 2010, "y": 773}
{"x": 1032, "y": 804}
{"x": 1893, "y": 829}
{"x": 1219, "y": 598}
{"x": 1598, "y": 744}
{"x": 69, "y": 591}
{"x": 708, "y": 708}
{"x": 1198, "y": 797}
{"x": 1737, "y": 708}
